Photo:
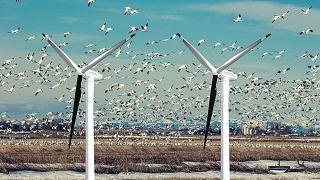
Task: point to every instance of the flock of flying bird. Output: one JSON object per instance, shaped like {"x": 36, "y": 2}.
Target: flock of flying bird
{"x": 138, "y": 93}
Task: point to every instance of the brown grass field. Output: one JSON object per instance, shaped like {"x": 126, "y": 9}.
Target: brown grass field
{"x": 151, "y": 157}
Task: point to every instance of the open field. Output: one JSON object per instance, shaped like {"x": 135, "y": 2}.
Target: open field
{"x": 150, "y": 155}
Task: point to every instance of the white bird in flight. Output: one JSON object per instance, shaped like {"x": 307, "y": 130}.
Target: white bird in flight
{"x": 308, "y": 31}
{"x": 133, "y": 28}
{"x": 144, "y": 28}
{"x": 201, "y": 41}
{"x": 265, "y": 53}
{"x": 275, "y": 17}
{"x": 14, "y": 31}
{"x": 105, "y": 29}
{"x": 304, "y": 55}
{"x": 306, "y": 11}
{"x": 135, "y": 11}
{"x": 284, "y": 14}
{"x": 238, "y": 18}
{"x": 11, "y": 89}
{"x": 90, "y": 2}
{"x": 38, "y": 91}
{"x": 89, "y": 45}
{"x": 127, "y": 10}
{"x": 66, "y": 34}
{"x": 31, "y": 38}
{"x": 313, "y": 58}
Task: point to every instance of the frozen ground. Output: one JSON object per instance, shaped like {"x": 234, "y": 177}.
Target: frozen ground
{"x": 180, "y": 175}
{"x": 293, "y": 164}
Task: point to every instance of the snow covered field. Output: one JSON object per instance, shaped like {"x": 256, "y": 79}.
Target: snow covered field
{"x": 180, "y": 175}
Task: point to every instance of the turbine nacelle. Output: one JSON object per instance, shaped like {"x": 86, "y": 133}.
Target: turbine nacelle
{"x": 232, "y": 76}
{"x": 97, "y": 76}
{"x": 90, "y": 73}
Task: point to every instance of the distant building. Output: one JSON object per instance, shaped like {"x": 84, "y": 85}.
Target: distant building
{"x": 247, "y": 130}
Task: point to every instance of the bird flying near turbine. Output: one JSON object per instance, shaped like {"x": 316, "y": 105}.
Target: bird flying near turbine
{"x": 225, "y": 77}
{"x": 90, "y": 76}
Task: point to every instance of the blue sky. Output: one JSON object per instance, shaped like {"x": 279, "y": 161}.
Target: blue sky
{"x": 210, "y": 20}
{"x": 194, "y": 19}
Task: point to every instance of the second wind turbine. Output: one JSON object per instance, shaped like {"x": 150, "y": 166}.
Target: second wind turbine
{"x": 225, "y": 77}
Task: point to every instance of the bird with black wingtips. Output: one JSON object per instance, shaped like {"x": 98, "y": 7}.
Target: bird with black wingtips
{"x": 65, "y": 34}
{"x": 275, "y": 17}
{"x": 265, "y": 53}
{"x": 90, "y": 51}
{"x": 217, "y": 44}
{"x": 233, "y": 45}
{"x": 144, "y": 28}
{"x": 11, "y": 89}
{"x": 313, "y": 57}
{"x": 133, "y": 28}
{"x": 307, "y": 31}
{"x": 14, "y": 31}
{"x": 201, "y": 41}
{"x": 306, "y": 11}
{"x": 38, "y": 91}
{"x": 90, "y": 2}
{"x": 238, "y": 18}
{"x": 134, "y": 11}
{"x": 127, "y": 10}
{"x": 284, "y": 14}
{"x": 303, "y": 55}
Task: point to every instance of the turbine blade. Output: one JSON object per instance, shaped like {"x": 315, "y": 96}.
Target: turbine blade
{"x": 197, "y": 54}
{"x": 241, "y": 53}
{"x": 212, "y": 99}
{"x": 105, "y": 54}
{"x": 63, "y": 55}
{"x": 76, "y": 102}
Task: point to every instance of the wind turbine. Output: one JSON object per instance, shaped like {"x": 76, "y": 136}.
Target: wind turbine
{"x": 90, "y": 77}
{"x": 225, "y": 77}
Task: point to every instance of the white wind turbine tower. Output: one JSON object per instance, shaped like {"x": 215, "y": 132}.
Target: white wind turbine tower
{"x": 90, "y": 77}
{"x": 225, "y": 77}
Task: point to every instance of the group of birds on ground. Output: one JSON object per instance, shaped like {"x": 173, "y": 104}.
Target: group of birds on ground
{"x": 138, "y": 92}
{"x": 153, "y": 140}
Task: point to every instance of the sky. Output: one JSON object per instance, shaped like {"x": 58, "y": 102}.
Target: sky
{"x": 195, "y": 20}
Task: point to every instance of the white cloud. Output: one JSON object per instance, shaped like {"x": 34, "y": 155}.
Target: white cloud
{"x": 170, "y": 17}
{"x": 263, "y": 11}
{"x": 70, "y": 20}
